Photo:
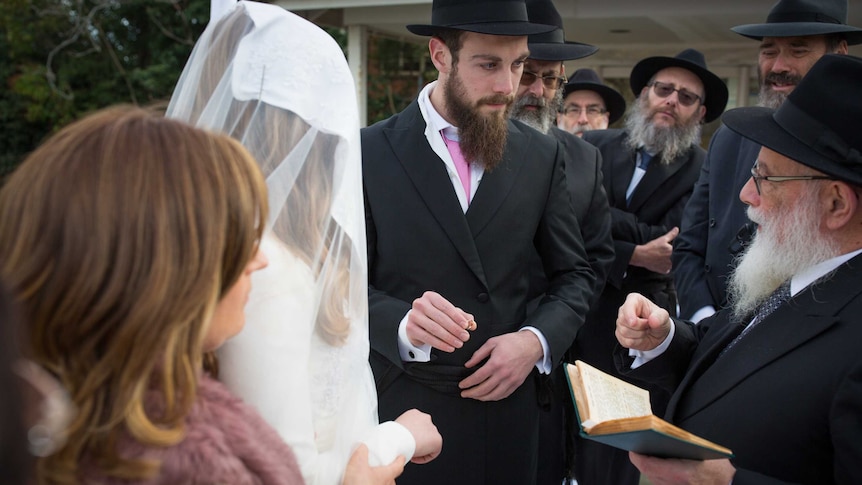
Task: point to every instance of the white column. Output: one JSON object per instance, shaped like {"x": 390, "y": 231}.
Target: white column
{"x": 742, "y": 87}
{"x": 357, "y": 58}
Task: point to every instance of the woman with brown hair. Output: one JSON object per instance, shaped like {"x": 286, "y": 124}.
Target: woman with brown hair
{"x": 129, "y": 241}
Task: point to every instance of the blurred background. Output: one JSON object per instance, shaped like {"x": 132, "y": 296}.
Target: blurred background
{"x": 60, "y": 59}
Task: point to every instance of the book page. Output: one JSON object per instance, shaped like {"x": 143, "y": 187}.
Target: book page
{"x": 609, "y": 397}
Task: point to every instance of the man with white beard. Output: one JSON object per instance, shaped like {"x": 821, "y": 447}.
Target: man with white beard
{"x": 649, "y": 170}
{"x": 777, "y": 377}
{"x": 714, "y": 226}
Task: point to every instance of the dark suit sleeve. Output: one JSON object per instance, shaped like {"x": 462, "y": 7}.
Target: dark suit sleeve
{"x": 584, "y": 177}
{"x": 596, "y": 230}
{"x": 558, "y": 240}
{"x": 668, "y": 369}
{"x": 689, "y": 252}
{"x": 629, "y": 231}
{"x": 846, "y": 427}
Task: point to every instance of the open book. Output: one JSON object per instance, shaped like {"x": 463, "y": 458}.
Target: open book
{"x": 616, "y": 413}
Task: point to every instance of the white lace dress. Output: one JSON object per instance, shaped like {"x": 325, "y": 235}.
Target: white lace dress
{"x": 320, "y": 398}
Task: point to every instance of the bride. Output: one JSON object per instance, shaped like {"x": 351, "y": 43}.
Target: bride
{"x": 282, "y": 87}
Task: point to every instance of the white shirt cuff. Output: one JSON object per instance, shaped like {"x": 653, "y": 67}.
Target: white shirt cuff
{"x": 644, "y": 356}
{"x": 544, "y": 364}
{"x": 704, "y": 312}
{"x": 387, "y": 441}
{"x": 408, "y": 351}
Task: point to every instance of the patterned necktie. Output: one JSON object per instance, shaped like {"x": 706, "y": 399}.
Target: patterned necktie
{"x": 461, "y": 164}
{"x": 636, "y": 178}
{"x": 772, "y": 302}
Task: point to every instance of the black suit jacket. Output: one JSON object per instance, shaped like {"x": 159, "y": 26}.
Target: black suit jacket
{"x": 584, "y": 176}
{"x": 707, "y": 243}
{"x": 419, "y": 239}
{"x": 656, "y": 207}
{"x": 786, "y": 399}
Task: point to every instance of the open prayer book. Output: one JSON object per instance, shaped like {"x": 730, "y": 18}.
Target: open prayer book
{"x": 616, "y": 413}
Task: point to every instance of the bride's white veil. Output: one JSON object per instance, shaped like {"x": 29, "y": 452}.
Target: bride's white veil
{"x": 282, "y": 87}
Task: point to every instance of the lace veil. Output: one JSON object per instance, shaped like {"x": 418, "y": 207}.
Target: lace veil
{"x": 282, "y": 87}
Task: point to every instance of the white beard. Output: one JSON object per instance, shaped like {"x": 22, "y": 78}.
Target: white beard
{"x": 545, "y": 115}
{"x": 785, "y": 244}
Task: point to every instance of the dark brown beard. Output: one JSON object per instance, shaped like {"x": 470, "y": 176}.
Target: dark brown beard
{"x": 482, "y": 137}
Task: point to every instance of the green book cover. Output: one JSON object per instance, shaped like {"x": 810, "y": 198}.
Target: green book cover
{"x": 626, "y": 422}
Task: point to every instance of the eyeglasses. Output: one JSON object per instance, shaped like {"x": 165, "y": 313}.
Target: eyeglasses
{"x": 685, "y": 97}
{"x": 591, "y": 111}
{"x": 550, "y": 82}
{"x": 782, "y": 178}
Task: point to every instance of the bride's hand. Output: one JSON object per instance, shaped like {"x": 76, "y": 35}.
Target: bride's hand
{"x": 428, "y": 439}
{"x": 359, "y": 472}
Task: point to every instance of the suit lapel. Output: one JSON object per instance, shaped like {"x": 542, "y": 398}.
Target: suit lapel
{"x": 655, "y": 175}
{"x": 708, "y": 351}
{"x": 496, "y": 184}
{"x": 808, "y": 314}
{"x": 431, "y": 181}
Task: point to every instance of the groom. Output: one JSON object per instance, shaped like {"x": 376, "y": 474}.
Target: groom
{"x": 457, "y": 199}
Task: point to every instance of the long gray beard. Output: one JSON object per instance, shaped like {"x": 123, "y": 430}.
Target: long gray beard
{"x": 785, "y": 245}
{"x": 670, "y": 142}
{"x": 544, "y": 117}
{"x": 769, "y": 98}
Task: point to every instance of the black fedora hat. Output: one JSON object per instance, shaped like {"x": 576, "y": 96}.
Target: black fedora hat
{"x": 495, "y": 17}
{"x": 819, "y": 123}
{"x": 790, "y": 18}
{"x": 587, "y": 79}
{"x": 552, "y": 46}
{"x": 692, "y": 60}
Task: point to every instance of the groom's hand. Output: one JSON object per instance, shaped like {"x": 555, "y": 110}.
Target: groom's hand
{"x": 435, "y": 321}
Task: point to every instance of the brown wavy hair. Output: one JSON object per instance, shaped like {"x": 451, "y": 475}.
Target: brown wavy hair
{"x": 120, "y": 234}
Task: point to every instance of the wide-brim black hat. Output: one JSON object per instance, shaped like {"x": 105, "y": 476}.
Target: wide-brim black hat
{"x": 790, "y": 18}
{"x": 587, "y": 79}
{"x": 543, "y": 47}
{"x": 818, "y": 125}
{"x": 552, "y": 46}
{"x": 692, "y": 60}
{"x": 495, "y": 17}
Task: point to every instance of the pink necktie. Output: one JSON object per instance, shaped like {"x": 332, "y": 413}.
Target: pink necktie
{"x": 460, "y": 164}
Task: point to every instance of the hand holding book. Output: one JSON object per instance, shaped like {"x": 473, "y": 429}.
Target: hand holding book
{"x": 616, "y": 413}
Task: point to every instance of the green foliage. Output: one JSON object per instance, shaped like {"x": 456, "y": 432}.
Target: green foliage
{"x": 397, "y": 71}
{"x": 60, "y": 59}
{"x": 64, "y": 58}
{"x": 340, "y": 36}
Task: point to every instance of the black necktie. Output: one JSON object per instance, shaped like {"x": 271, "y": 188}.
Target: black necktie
{"x": 772, "y": 302}
{"x": 645, "y": 159}
{"x": 643, "y": 164}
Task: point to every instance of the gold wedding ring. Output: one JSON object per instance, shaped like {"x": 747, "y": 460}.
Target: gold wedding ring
{"x": 471, "y": 325}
